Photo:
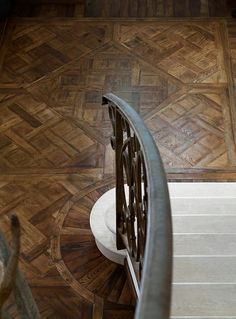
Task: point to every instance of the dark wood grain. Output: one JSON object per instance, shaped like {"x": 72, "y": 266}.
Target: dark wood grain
{"x": 158, "y": 8}
{"x": 24, "y": 115}
{"x": 121, "y": 8}
{"x": 220, "y": 8}
{"x": 48, "y": 8}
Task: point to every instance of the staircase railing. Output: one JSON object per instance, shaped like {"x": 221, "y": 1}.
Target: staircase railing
{"x": 26, "y": 307}
{"x": 143, "y": 213}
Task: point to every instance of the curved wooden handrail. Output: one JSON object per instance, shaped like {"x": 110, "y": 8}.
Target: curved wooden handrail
{"x": 27, "y": 308}
{"x": 156, "y": 275}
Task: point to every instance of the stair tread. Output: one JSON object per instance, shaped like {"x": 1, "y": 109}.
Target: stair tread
{"x": 204, "y": 284}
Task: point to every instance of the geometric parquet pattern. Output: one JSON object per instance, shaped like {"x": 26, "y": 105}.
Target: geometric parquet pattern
{"x": 42, "y": 138}
{"x": 68, "y": 275}
{"x": 169, "y": 72}
{"x": 55, "y": 158}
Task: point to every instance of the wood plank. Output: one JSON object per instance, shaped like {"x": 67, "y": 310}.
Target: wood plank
{"x": 195, "y": 8}
{"x": 98, "y": 308}
{"x": 149, "y": 8}
{"x": 229, "y": 37}
{"x": 119, "y": 8}
{"x": 218, "y": 8}
{"x": 180, "y": 8}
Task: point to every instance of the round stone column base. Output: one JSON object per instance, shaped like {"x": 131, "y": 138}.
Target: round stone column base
{"x": 103, "y": 226}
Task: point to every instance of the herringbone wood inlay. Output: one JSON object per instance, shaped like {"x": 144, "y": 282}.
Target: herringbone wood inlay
{"x": 54, "y": 138}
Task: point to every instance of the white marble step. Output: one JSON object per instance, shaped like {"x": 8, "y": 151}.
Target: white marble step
{"x": 204, "y": 223}
{"x": 211, "y": 269}
{"x": 200, "y": 206}
{"x": 204, "y": 244}
{"x": 202, "y": 190}
{"x": 203, "y": 300}
{"x": 203, "y": 198}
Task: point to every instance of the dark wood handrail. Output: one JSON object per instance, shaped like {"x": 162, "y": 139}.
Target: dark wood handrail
{"x": 130, "y": 135}
{"x": 27, "y": 308}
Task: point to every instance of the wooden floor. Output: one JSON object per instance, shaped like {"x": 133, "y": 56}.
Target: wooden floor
{"x": 123, "y": 8}
{"x": 49, "y": 8}
{"x": 160, "y": 8}
{"x": 55, "y": 72}
{"x": 54, "y": 136}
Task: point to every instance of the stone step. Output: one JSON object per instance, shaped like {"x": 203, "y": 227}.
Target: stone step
{"x": 204, "y": 224}
{"x": 202, "y": 190}
{"x": 199, "y": 205}
{"x": 204, "y": 269}
{"x": 205, "y": 244}
{"x": 203, "y": 300}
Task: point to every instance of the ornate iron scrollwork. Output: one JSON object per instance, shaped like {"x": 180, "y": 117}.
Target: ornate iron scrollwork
{"x": 131, "y": 188}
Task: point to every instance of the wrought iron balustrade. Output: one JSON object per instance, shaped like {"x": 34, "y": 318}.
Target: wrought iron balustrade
{"x": 143, "y": 214}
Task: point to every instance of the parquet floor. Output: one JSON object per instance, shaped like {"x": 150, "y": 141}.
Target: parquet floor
{"x": 54, "y": 137}
{"x": 160, "y": 8}
{"x": 123, "y": 8}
